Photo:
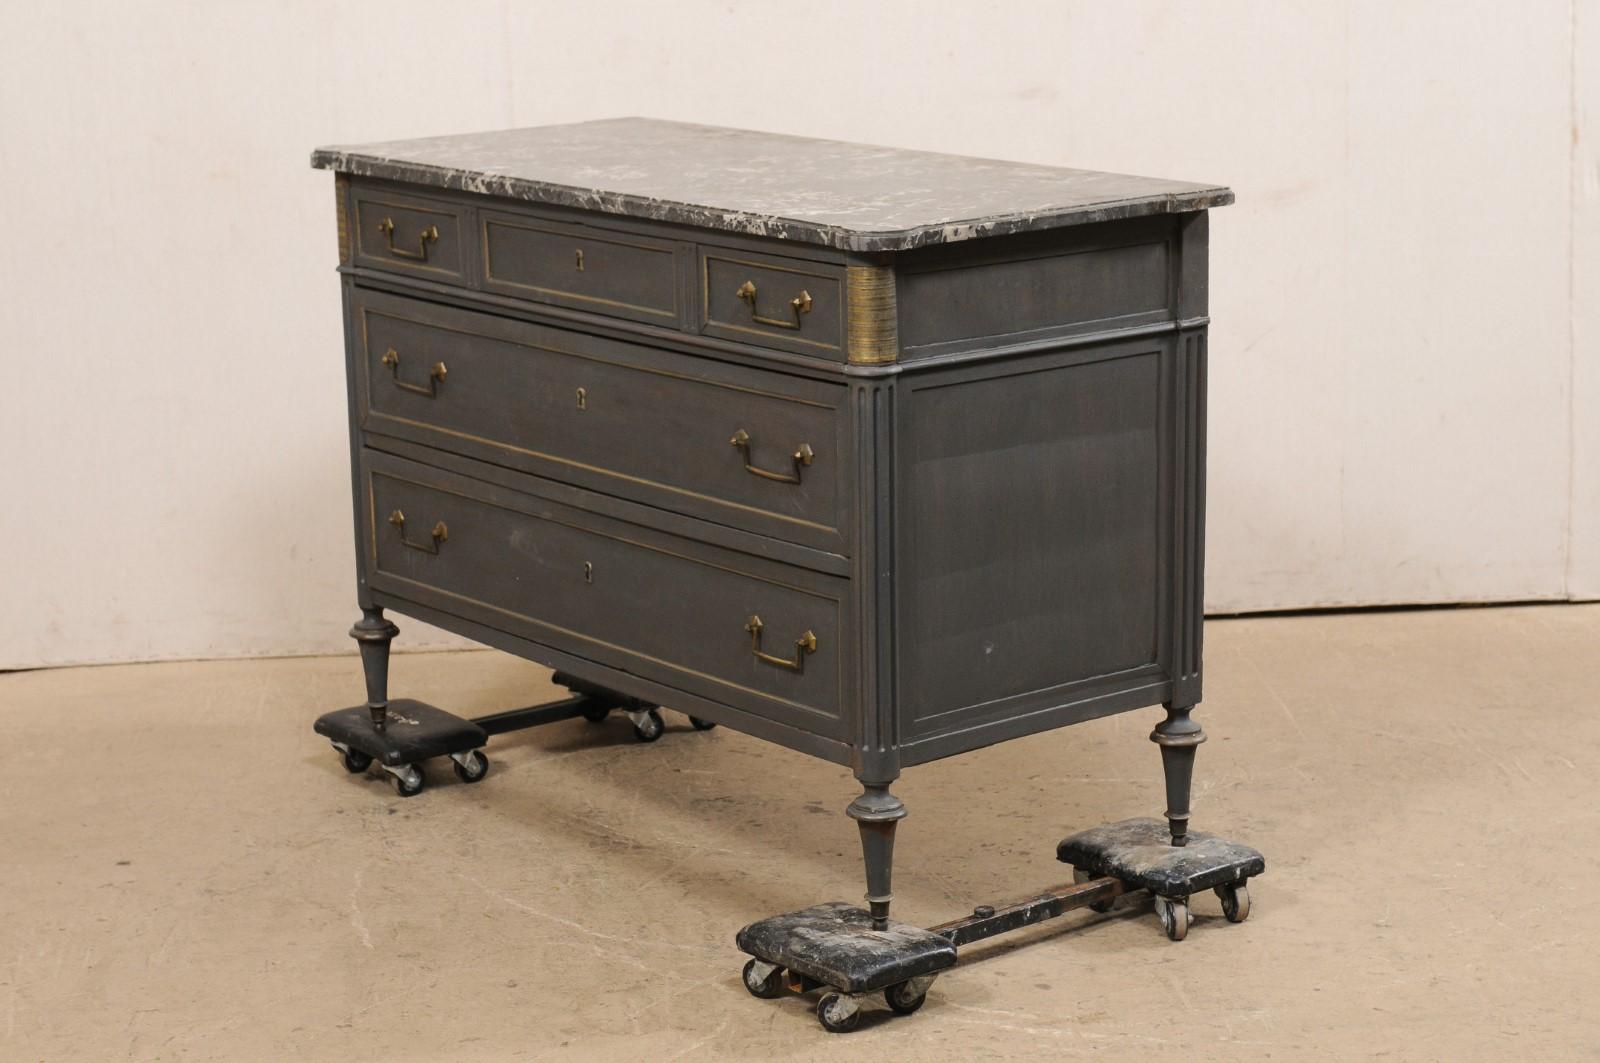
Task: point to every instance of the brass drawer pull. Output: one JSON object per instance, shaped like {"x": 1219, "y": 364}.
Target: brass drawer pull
{"x": 803, "y": 645}
{"x": 424, "y": 238}
{"x": 802, "y": 457}
{"x": 800, "y": 304}
{"x": 391, "y": 358}
{"x": 440, "y": 534}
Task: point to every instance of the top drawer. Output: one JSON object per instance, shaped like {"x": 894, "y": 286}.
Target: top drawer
{"x": 820, "y": 307}
{"x": 583, "y": 267}
{"x": 791, "y": 304}
{"x": 410, "y": 234}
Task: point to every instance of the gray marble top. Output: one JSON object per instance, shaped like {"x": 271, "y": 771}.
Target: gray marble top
{"x": 850, "y": 196}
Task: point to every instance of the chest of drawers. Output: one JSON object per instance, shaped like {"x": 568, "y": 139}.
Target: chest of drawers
{"x": 879, "y": 455}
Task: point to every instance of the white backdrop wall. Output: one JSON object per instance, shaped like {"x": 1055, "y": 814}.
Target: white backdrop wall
{"x": 1406, "y": 297}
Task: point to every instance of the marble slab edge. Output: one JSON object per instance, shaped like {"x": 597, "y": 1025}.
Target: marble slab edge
{"x": 776, "y": 228}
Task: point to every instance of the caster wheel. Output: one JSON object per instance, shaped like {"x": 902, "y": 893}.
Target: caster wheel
{"x": 765, "y": 988}
{"x": 355, "y": 761}
{"x": 1080, "y": 875}
{"x": 1174, "y": 918}
{"x": 701, "y": 725}
{"x": 474, "y": 770}
{"x": 597, "y": 713}
{"x": 410, "y": 782}
{"x": 900, "y": 999}
{"x": 651, "y": 728}
{"x": 1235, "y": 902}
{"x": 838, "y": 1013}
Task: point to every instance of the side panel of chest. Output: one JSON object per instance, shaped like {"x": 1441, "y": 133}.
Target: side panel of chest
{"x": 1048, "y": 527}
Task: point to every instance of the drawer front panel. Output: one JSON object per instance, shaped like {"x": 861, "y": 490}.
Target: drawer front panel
{"x": 395, "y": 231}
{"x": 582, "y": 267}
{"x": 618, "y": 417}
{"x": 785, "y": 303}
{"x": 631, "y": 598}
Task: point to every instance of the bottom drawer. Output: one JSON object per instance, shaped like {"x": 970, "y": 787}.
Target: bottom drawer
{"x": 764, "y": 637}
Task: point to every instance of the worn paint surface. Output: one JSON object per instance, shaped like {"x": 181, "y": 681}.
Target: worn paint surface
{"x": 835, "y": 944}
{"x": 1139, "y": 852}
{"x": 416, "y": 731}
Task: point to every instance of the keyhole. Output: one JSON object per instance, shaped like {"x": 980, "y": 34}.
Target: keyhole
{"x": 580, "y": 260}
{"x": 583, "y": 398}
{"x": 588, "y": 572}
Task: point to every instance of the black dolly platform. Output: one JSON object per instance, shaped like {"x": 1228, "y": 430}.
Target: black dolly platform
{"x": 1139, "y": 854}
{"x": 399, "y": 735}
{"x": 836, "y": 947}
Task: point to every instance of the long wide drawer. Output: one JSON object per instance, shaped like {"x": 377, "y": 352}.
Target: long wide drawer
{"x": 741, "y": 630}
{"x": 735, "y": 445}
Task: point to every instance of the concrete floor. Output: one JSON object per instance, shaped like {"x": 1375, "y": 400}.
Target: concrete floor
{"x": 186, "y": 872}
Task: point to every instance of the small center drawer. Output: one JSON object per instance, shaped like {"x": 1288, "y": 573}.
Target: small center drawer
{"x": 718, "y": 624}
{"x": 409, "y": 234}
{"x": 620, "y": 274}
{"x": 736, "y": 445}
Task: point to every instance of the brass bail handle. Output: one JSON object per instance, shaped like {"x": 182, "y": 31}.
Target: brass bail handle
{"x": 800, "y": 304}
{"x": 440, "y": 534}
{"x": 806, "y": 643}
{"x": 428, "y": 235}
{"x": 802, "y": 457}
{"x": 391, "y": 358}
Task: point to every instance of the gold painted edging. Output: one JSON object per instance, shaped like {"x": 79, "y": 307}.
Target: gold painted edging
{"x": 872, "y": 329}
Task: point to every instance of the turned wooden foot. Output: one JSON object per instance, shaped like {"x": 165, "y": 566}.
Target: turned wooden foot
{"x": 373, "y": 634}
{"x": 876, "y": 813}
{"x": 1178, "y": 736}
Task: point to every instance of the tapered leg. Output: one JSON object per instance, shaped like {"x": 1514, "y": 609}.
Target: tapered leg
{"x": 876, "y": 813}
{"x": 373, "y": 633}
{"x": 1178, "y": 736}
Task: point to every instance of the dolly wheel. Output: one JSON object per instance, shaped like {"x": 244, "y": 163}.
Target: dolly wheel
{"x": 1174, "y": 917}
{"x": 650, "y": 727}
{"x": 900, "y": 999}
{"x": 838, "y": 1013}
{"x": 765, "y": 988}
{"x": 408, "y": 782}
{"x": 1235, "y": 902}
{"x": 701, "y": 725}
{"x": 474, "y": 770}
{"x": 596, "y": 713}
{"x": 355, "y": 761}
